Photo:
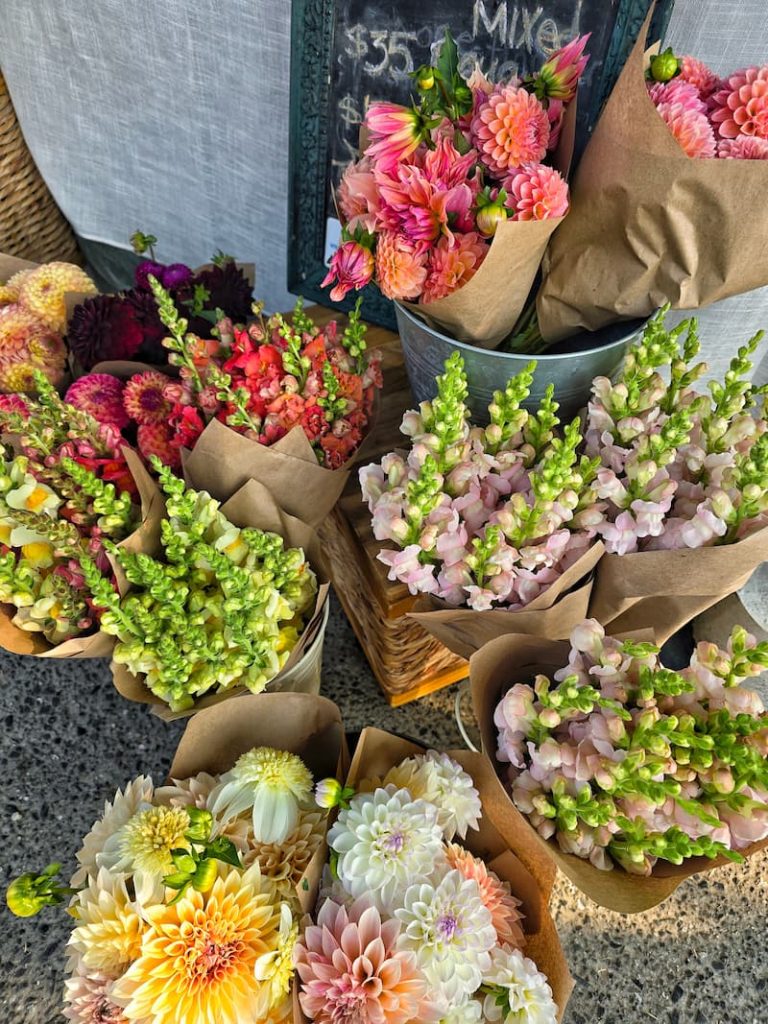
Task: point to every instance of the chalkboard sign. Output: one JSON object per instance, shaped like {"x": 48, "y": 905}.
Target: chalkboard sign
{"x": 348, "y": 53}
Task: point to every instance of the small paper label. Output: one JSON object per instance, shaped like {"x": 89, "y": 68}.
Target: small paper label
{"x": 332, "y": 238}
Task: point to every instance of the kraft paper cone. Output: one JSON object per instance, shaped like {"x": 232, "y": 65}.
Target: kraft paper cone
{"x": 252, "y": 505}
{"x": 500, "y": 841}
{"x": 552, "y": 614}
{"x": 145, "y": 538}
{"x": 519, "y": 659}
{"x": 663, "y": 590}
{"x": 649, "y": 224}
{"x": 300, "y": 723}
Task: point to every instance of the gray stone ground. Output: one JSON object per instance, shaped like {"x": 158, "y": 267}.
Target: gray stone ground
{"x": 67, "y": 740}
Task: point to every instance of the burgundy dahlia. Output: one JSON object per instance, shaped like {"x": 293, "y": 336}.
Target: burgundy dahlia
{"x": 104, "y": 327}
{"x": 152, "y": 330}
{"x": 228, "y": 289}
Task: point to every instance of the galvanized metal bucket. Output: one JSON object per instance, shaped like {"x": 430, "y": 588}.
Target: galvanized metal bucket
{"x": 571, "y": 365}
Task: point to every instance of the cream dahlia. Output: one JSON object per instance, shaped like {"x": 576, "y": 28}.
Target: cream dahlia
{"x": 470, "y": 1012}
{"x": 495, "y": 894}
{"x": 144, "y": 400}
{"x": 196, "y": 962}
{"x": 351, "y": 970}
{"x": 519, "y": 992}
{"x": 448, "y": 927}
{"x": 385, "y": 842}
{"x": 108, "y": 933}
{"x": 537, "y": 192}
{"x": 439, "y": 780}
{"x": 741, "y": 106}
{"x": 44, "y": 291}
{"x": 273, "y": 784}
{"x": 743, "y": 147}
{"x": 509, "y": 129}
{"x": 453, "y": 265}
{"x": 116, "y": 814}
{"x": 275, "y": 968}
{"x": 88, "y": 1002}
{"x": 143, "y": 848}
{"x": 101, "y": 395}
{"x": 287, "y": 861}
{"x": 691, "y": 129}
{"x": 400, "y": 266}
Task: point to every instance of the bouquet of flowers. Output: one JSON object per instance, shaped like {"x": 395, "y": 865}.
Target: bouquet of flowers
{"x": 619, "y": 762}
{"x": 187, "y": 897}
{"x": 127, "y": 326}
{"x": 33, "y": 320}
{"x": 651, "y": 221}
{"x": 306, "y": 392}
{"x": 498, "y": 517}
{"x": 683, "y": 479}
{"x": 222, "y": 608}
{"x": 456, "y": 196}
{"x": 450, "y": 914}
{"x": 70, "y": 491}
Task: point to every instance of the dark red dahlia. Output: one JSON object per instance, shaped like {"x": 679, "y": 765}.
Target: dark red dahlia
{"x": 104, "y": 327}
{"x": 152, "y": 329}
{"x": 228, "y": 289}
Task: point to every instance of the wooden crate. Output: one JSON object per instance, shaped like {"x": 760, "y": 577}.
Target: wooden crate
{"x": 406, "y": 660}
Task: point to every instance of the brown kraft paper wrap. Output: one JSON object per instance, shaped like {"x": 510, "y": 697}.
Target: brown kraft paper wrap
{"x": 485, "y": 310}
{"x": 145, "y": 538}
{"x": 552, "y": 614}
{"x": 519, "y": 659}
{"x": 300, "y": 723}
{"x": 499, "y": 841}
{"x": 663, "y": 590}
{"x": 254, "y": 506}
{"x": 649, "y": 224}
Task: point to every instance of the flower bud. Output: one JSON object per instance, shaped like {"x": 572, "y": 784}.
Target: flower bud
{"x": 205, "y": 875}
{"x": 489, "y": 217}
{"x": 330, "y": 793}
{"x": 201, "y": 822}
{"x": 426, "y": 79}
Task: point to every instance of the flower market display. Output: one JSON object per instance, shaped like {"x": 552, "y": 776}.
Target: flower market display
{"x": 223, "y": 607}
{"x": 261, "y": 380}
{"x": 67, "y": 494}
{"x": 438, "y": 180}
{"x": 623, "y": 762}
{"x": 33, "y": 321}
{"x": 711, "y": 116}
{"x": 410, "y": 924}
{"x": 186, "y": 897}
{"x": 128, "y": 325}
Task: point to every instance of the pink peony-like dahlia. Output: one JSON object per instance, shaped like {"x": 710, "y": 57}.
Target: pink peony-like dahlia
{"x": 28, "y": 344}
{"x": 144, "y": 400}
{"x": 537, "y": 192}
{"x": 743, "y": 147}
{"x": 358, "y": 196}
{"x": 351, "y": 267}
{"x": 696, "y": 73}
{"x": 155, "y": 439}
{"x": 741, "y": 106}
{"x": 676, "y": 91}
{"x": 351, "y": 971}
{"x": 495, "y": 894}
{"x": 400, "y": 266}
{"x": 509, "y": 129}
{"x": 451, "y": 266}
{"x": 101, "y": 395}
{"x": 691, "y": 128}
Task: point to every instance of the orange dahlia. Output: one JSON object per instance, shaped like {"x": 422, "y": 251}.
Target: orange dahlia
{"x": 400, "y": 267}
{"x": 495, "y": 894}
{"x": 741, "y": 106}
{"x": 44, "y": 291}
{"x": 197, "y": 958}
{"x": 537, "y": 192}
{"x": 451, "y": 266}
{"x": 509, "y": 129}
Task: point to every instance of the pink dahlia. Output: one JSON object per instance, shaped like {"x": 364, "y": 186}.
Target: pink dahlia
{"x": 741, "y": 106}
{"x": 395, "y": 131}
{"x": 495, "y": 894}
{"x": 400, "y": 267}
{"x": 452, "y": 265}
{"x": 537, "y": 192}
{"x": 144, "y": 400}
{"x": 101, "y": 395}
{"x": 696, "y": 73}
{"x": 691, "y": 129}
{"x": 509, "y": 129}
{"x": 350, "y": 970}
{"x": 155, "y": 439}
{"x": 88, "y": 1001}
{"x": 419, "y": 209}
{"x": 743, "y": 147}
{"x": 559, "y": 77}
{"x": 676, "y": 91}
{"x": 351, "y": 267}
{"x": 358, "y": 196}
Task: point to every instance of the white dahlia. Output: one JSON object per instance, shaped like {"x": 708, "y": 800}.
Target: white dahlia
{"x": 517, "y": 991}
{"x": 116, "y": 814}
{"x": 470, "y": 1012}
{"x": 143, "y": 847}
{"x": 458, "y": 802}
{"x": 386, "y": 841}
{"x": 449, "y": 928}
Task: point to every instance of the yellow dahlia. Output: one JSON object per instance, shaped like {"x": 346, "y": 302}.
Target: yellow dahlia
{"x": 198, "y": 956}
{"x": 108, "y": 933}
{"x": 44, "y": 291}
{"x": 496, "y": 895}
{"x": 8, "y": 295}
{"x": 287, "y": 861}
{"x": 143, "y": 846}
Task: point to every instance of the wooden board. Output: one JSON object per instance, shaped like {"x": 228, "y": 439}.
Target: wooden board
{"x": 407, "y": 662}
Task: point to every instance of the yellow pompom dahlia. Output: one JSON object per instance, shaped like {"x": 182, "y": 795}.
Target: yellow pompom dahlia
{"x": 26, "y": 345}
{"x": 198, "y": 956}
{"x": 43, "y": 291}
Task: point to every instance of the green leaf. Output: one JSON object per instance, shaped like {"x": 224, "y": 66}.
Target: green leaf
{"x": 224, "y": 849}
{"x": 448, "y": 60}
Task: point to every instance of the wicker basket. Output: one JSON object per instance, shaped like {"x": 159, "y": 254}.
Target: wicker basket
{"x": 32, "y": 226}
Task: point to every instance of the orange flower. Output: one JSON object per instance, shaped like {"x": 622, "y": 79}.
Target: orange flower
{"x": 509, "y": 129}
{"x": 495, "y": 894}
{"x": 451, "y": 266}
{"x": 400, "y": 267}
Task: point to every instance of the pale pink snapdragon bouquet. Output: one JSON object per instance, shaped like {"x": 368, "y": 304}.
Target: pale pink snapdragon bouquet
{"x": 467, "y": 169}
